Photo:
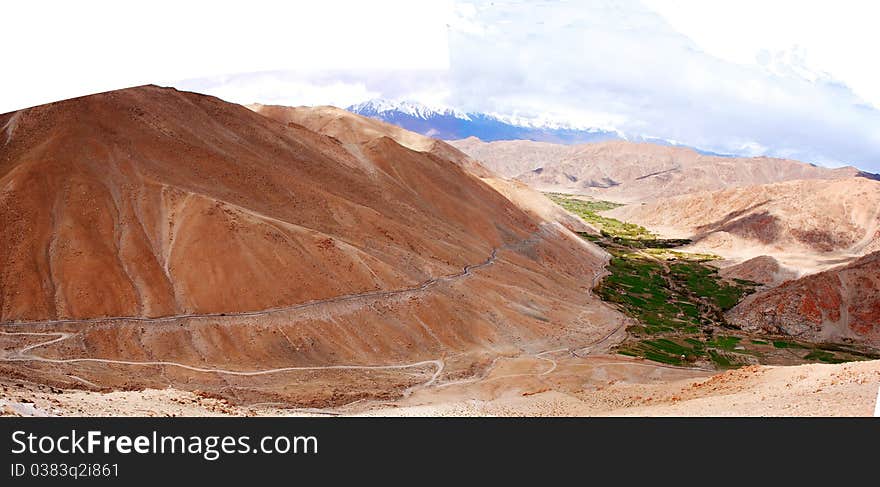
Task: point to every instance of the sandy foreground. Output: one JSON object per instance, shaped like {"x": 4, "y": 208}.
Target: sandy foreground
{"x": 564, "y": 386}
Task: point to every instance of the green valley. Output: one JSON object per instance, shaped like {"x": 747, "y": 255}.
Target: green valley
{"x": 678, "y": 301}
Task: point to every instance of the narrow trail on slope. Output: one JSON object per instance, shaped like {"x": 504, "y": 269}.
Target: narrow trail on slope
{"x": 465, "y": 272}
{"x": 241, "y": 314}
{"x": 23, "y": 355}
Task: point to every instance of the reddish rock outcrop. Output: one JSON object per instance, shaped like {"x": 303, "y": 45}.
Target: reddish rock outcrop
{"x": 842, "y": 303}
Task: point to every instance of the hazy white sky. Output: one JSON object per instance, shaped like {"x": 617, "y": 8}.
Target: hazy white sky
{"x": 838, "y": 37}
{"x": 57, "y": 49}
{"x": 781, "y": 77}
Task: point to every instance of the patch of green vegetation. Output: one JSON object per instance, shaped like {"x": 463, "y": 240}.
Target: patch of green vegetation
{"x": 679, "y": 301}
{"x": 681, "y": 296}
{"x": 655, "y": 244}
{"x": 860, "y": 353}
{"x": 833, "y": 353}
{"x": 724, "y": 342}
{"x": 638, "y": 286}
{"x": 660, "y": 251}
{"x": 786, "y": 344}
{"x": 823, "y": 356}
{"x": 590, "y": 237}
{"x": 668, "y": 346}
{"x": 663, "y": 351}
{"x": 703, "y": 281}
{"x": 586, "y": 205}
{"x": 721, "y": 359}
{"x": 610, "y": 227}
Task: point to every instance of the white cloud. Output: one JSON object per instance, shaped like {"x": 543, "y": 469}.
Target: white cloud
{"x": 837, "y": 37}
{"x": 280, "y": 89}
{"x": 622, "y": 58}
{"x": 340, "y": 88}
{"x": 785, "y": 78}
{"x": 737, "y": 83}
{"x": 57, "y": 49}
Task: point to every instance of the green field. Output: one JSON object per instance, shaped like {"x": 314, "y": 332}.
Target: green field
{"x": 588, "y": 211}
{"x": 677, "y": 295}
{"x": 678, "y": 305}
{"x": 679, "y": 301}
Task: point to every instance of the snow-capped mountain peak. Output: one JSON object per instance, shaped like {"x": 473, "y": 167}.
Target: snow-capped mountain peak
{"x": 448, "y": 123}
{"x": 381, "y": 106}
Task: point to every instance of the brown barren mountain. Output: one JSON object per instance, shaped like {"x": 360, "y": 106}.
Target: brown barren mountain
{"x": 288, "y": 265}
{"x": 806, "y": 225}
{"x": 834, "y": 305}
{"x": 629, "y": 172}
{"x": 354, "y": 130}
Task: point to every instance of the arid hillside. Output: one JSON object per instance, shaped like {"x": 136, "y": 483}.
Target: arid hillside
{"x": 355, "y": 130}
{"x": 511, "y": 158}
{"x": 834, "y": 305}
{"x": 148, "y": 202}
{"x": 627, "y": 172}
{"x": 154, "y": 238}
{"x": 762, "y": 269}
{"x": 806, "y": 225}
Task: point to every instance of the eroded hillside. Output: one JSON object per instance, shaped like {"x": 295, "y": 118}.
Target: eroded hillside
{"x": 155, "y": 238}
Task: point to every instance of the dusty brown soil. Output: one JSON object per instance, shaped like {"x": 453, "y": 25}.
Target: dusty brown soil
{"x": 596, "y": 386}
{"x": 608, "y": 385}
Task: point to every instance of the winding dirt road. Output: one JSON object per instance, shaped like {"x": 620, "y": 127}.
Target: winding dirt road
{"x": 24, "y": 355}
{"x": 263, "y": 312}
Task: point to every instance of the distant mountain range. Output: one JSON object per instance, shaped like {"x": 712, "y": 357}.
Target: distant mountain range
{"x": 451, "y": 124}
{"x": 627, "y": 172}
